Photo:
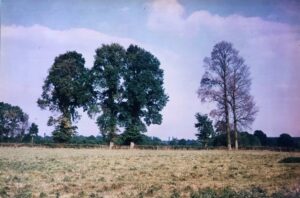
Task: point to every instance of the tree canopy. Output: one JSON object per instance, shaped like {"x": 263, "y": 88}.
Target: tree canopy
{"x": 285, "y": 140}
{"x": 106, "y": 77}
{"x": 262, "y": 137}
{"x": 66, "y": 89}
{"x": 144, "y": 95}
{"x": 205, "y": 129}
{"x": 13, "y": 121}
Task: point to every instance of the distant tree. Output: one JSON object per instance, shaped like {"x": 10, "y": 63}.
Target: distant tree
{"x": 13, "y": 122}
{"x": 107, "y": 75}
{"x": 146, "y": 140}
{"x": 205, "y": 129}
{"x": 262, "y": 137}
{"x": 241, "y": 102}
{"x": 182, "y": 142}
{"x": 285, "y": 140}
{"x": 247, "y": 139}
{"x": 173, "y": 141}
{"x": 215, "y": 81}
{"x": 66, "y": 89}
{"x": 144, "y": 95}
{"x": 33, "y": 131}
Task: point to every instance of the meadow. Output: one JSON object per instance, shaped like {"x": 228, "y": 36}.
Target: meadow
{"x": 64, "y": 172}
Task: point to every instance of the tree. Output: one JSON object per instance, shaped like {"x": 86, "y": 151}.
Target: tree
{"x": 261, "y": 136}
{"x": 33, "y": 131}
{"x": 285, "y": 140}
{"x": 215, "y": 81}
{"x": 107, "y": 75}
{"x": 64, "y": 130}
{"x": 205, "y": 129}
{"x": 13, "y": 122}
{"x": 241, "y": 102}
{"x": 247, "y": 139}
{"x": 144, "y": 96}
{"x": 66, "y": 89}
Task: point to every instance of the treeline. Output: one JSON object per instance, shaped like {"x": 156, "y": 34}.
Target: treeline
{"x": 124, "y": 91}
{"x": 247, "y": 140}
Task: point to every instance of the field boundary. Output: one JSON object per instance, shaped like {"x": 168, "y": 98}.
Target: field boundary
{"x": 144, "y": 147}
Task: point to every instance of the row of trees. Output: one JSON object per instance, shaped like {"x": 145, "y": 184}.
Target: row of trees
{"x": 14, "y": 123}
{"x": 14, "y": 128}
{"x": 124, "y": 89}
{"x": 208, "y": 136}
{"x": 226, "y": 82}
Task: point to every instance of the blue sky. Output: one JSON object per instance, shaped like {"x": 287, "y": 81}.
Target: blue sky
{"x": 180, "y": 33}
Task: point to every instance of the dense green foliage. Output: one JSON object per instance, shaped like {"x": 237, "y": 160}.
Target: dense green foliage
{"x": 144, "y": 95}
{"x": 13, "y": 122}
{"x": 106, "y": 75}
{"x": 262, "y": 137}
{"x": 125, "y": 87}
{"x": 205, "y": 129}
{"x": 66, "y": 89}
{"x": 285, "y": 140}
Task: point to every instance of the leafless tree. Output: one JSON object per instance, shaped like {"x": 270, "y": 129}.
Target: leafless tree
{"x": 215, "y": 81}
{"x": 241, "y": 102}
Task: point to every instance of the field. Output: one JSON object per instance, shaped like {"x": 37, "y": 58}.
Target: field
{"x": 44, "y": 172}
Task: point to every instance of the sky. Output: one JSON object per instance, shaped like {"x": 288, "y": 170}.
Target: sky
{"x": 179, "y": 33}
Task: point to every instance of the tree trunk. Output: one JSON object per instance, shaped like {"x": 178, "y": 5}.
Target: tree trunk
{"x": 227, "y": 117}
{"x": 228, "y": 131}
{"x": 236, "y": 143}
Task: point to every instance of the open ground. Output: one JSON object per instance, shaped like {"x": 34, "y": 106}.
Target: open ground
{"x": 62, "y": 172}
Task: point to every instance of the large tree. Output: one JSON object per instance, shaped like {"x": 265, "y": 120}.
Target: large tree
{"x": 144, "y": 96}
{"x": 205, "y": 129}
{"x": 66, "y": 89}
{"x": 107, "y": 75}
{"x": 240, "y": 100}
{"x": 13, "y": 121}
{"x": 215, "y": 81}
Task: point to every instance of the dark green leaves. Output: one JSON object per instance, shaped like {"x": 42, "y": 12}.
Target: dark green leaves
{"x": 66, "y": 88}
{"x": 129, "y": 87}
{"x": 205, "y": 128}
{"x": 13, "y": 121}
{"x": 124, "y": 86}
{"x": 106, "y": 77}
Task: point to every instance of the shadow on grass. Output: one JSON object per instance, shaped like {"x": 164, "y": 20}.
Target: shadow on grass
{"x": 290, "y": 160}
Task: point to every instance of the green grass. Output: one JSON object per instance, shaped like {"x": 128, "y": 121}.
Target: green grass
{"x": 65, "y": 172}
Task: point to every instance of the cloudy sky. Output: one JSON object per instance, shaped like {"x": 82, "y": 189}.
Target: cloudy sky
{"x": 179, "y": 33}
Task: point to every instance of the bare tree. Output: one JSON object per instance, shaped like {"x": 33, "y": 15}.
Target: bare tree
{"x": 241, "y": 102}
{"x": 215, "y": 81}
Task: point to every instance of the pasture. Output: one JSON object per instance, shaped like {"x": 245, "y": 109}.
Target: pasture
{"x": 63, "y": 172}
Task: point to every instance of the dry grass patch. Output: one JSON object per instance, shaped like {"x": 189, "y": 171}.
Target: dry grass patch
{"x": 41, "y": 172}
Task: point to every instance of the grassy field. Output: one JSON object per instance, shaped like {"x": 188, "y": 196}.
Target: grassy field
{"x": 42, "y": 172}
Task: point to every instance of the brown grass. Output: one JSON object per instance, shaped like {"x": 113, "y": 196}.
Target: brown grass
{"x": 41, "y": 172}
